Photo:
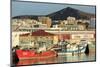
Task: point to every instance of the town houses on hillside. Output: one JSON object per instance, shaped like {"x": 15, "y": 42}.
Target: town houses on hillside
{"x": 69, "y": 24}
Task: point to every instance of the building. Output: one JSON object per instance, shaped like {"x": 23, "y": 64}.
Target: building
{"x": 72, "y": 27}
{"x": 92, "y": 23}
{"x": 55, "y": 26}
{"x": 71, "y": 24}
{"x": 15, "y": 39}
{"x": 71, "y": 20}
{"x": 38, "y": 39}
{"x": 45, "y": 20}
{"x": 18, "y": 24}
{"x": 76, "y": 38}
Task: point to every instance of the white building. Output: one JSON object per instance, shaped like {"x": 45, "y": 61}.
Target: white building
{"x": 55, "y": 26}
{"x": 92, "y": 23}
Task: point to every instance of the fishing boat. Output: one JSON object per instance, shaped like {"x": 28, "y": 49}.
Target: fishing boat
{"x": 40, "y": 53}
{"x": 37, "y": 53}
{"x": 78, "y": 49}
{"x": 70, "y": 49}
{"x": 28, "y": 54}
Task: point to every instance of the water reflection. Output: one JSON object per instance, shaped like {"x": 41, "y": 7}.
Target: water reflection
{"x": 59, "y": 59}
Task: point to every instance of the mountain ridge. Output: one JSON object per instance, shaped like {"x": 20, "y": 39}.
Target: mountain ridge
{"x": 62, "y": 14}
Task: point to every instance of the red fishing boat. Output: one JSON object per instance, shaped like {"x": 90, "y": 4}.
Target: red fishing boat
{"x": 28, "y": 54}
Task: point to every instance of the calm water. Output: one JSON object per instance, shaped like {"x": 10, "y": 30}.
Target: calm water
{"x": 63, "y": 58}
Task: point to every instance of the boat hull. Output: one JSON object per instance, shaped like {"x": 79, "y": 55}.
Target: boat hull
{"x": 28, "y": 54}
{"x": 77, "y": 51}
{"x": 71, "y": 50}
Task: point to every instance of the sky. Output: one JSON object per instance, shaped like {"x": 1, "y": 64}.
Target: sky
{"x": 33, "y": 8}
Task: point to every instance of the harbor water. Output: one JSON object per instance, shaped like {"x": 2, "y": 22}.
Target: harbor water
{"x": 63, "y": 58}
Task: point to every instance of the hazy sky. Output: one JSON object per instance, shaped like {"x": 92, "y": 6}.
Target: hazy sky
{"x": 31, "y": 8}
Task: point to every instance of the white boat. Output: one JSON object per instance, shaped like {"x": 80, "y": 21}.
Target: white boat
{"x": 72, "y": 49}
